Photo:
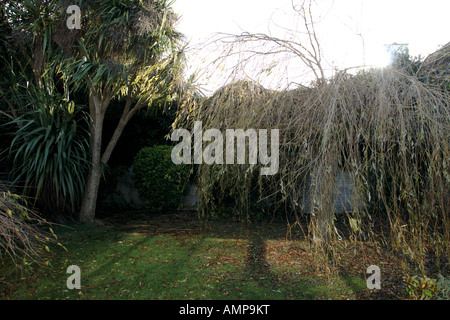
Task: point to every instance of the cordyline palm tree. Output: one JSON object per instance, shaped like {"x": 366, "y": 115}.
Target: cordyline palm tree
{"x": 126, "y": 49}
{"x": 49, "y": 145}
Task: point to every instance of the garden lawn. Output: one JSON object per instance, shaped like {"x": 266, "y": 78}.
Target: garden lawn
{"x": 169, "y": 257}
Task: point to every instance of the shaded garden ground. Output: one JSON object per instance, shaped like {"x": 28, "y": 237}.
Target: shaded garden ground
{"x": 180, "y": 257}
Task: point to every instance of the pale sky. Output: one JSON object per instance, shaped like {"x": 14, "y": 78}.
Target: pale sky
{"x": 342, "y": 25}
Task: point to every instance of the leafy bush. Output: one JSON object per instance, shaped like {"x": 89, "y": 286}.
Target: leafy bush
{"x": 160, "y": 182}
{"x": 421, "y": 288}
{"x": 444, "y": 288}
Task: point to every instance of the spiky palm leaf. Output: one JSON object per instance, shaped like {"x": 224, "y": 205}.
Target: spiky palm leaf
{"x": 50, "y": 151}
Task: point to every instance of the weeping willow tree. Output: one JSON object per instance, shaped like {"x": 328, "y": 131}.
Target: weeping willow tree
{"x": 386, "y": 129}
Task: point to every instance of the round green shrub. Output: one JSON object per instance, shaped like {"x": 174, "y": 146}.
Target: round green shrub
{"x": 160, "y": 182}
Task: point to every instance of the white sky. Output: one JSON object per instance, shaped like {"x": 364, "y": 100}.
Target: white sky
{"x": 424, "y": 25}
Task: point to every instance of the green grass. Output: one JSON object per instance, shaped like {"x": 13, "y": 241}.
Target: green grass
{"x": 173, "y": 259}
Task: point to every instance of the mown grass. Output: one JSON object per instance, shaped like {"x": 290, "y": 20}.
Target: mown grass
{"x": 170, "y": 258}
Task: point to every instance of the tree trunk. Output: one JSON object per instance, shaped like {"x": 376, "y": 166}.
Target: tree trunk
{"x": 323, "y": 228}
{"x": 126, "y": 116}
{"x": 323, "y": 221}
{"x": 88, "y": 206}
{"x": 97, "y": 111}
{"x": 89, "y": 203}
{"x": 112, "y": 143}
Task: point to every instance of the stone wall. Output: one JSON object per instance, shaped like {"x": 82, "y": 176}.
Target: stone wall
{"x": 343, "y": 194}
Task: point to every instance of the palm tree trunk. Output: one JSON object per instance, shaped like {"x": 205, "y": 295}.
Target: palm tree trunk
{"x": 97, "y": 110}
{"x": 115, "y": 137}
{"x": 89, "y": 203}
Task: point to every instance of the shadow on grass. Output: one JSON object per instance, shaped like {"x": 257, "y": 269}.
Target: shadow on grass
{"x": 270, "y": 283}
{"x": 257, "y": 267}
{"x": 165, "y": 259}
{"x": 121, "y": 266}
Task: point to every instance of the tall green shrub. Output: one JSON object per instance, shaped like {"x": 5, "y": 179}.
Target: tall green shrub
{"x": 160, "y": 182}
{"x": 50, "y": 150}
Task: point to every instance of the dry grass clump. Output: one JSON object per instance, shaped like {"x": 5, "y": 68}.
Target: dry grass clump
{"x": 386, "y": 129}
{"x": 22, "y": 238}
